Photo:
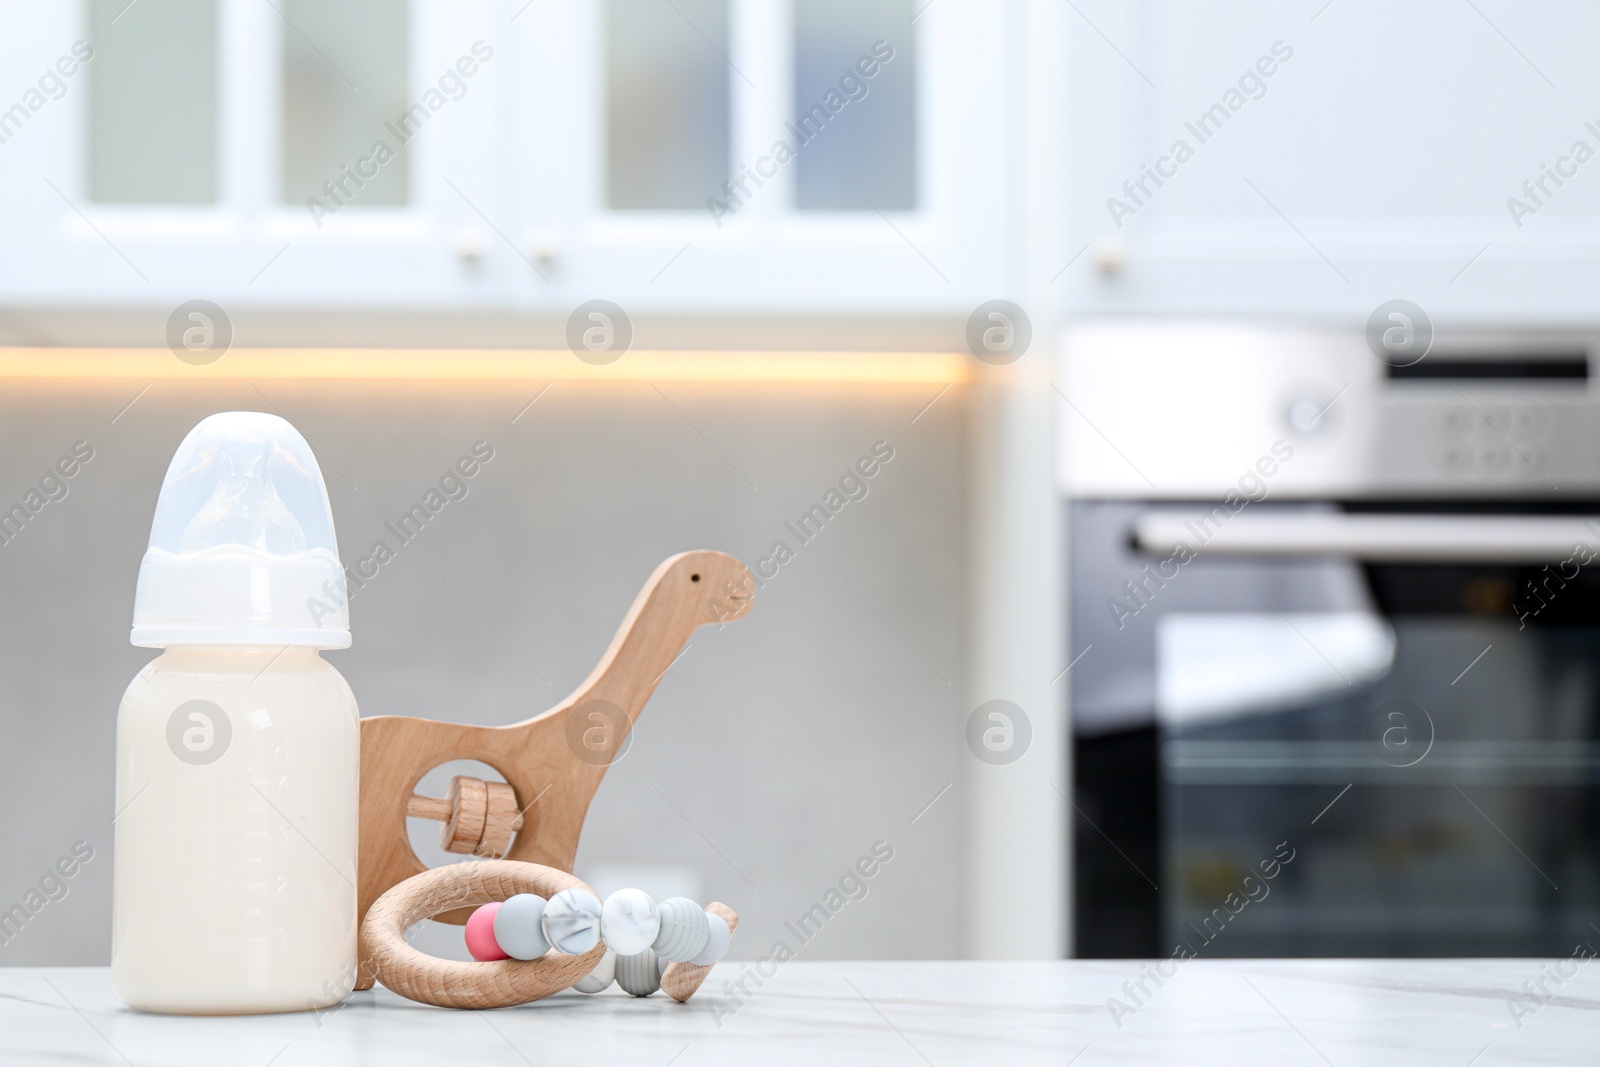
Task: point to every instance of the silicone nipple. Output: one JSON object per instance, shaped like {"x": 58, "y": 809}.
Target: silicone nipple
{"x": 245, "y": 508}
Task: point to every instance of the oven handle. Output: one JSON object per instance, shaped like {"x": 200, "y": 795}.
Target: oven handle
{"x": 1387, "y": 538}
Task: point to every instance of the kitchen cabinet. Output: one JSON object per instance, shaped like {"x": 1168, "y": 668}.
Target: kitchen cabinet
{"x": 1323, "y": 157}
{"x": 359, "y": 156}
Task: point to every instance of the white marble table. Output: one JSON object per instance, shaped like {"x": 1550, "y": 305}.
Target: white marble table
{"x": 1451, "y": 1012}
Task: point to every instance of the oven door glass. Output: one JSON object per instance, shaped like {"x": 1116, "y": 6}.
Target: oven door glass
{"x": 1406, "y": 781}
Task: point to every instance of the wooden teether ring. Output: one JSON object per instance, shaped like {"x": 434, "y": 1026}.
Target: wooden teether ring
{"x": 456, "y": 983}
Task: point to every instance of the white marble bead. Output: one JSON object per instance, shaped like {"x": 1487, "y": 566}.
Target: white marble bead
{"x": 629, "y": 921}
{"x": 684, "y": 930}
{"x": 717, "y": 941}
{"x": 518, "y": 927}
{"x": 599, "y": 979}
{"x": 572, "y": 922}
{"x": 639, "y": 974}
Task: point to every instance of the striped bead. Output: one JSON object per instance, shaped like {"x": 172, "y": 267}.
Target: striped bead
{"x": 684, "y": 930}
{"x": 639, "y": 974}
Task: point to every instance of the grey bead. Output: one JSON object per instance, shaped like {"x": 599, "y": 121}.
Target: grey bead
{"x": 519, "y": 927}
{"x": 639, "y": 974}
{"x": 684, "y": 930}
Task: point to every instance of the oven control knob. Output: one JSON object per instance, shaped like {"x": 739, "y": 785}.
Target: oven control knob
{"x": 1310, "y": 412}
{"x": 1304, "y": 416}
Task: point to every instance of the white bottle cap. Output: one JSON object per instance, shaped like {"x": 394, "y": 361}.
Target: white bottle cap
{"x": 242, "y": 550}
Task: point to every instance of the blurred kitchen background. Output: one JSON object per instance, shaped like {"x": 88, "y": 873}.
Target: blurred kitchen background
{"x": 1233, "y": 359}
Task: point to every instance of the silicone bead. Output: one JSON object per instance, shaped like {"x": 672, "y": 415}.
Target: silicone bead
{"x": 599, "y": 979}
{"x": 517, "y": 927}
{"x": 480, "y": 934}
{"x": 717, "y": 941}
{"x": 629, "y": 922}
{"x": 684, "y": 930}
{"x": 572, "y": 922}
{"x": 639, "y": 974}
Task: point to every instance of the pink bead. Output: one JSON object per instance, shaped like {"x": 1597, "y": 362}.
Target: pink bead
{"x": 480, "y": 935}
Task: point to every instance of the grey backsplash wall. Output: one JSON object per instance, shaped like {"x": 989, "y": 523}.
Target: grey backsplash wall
{"x": 774, "y": 753}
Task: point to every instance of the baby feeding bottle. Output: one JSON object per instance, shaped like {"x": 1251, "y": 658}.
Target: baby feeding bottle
{"x": 238, "y": 748}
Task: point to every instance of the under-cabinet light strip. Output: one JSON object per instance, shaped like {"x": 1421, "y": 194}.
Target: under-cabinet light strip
{"x": 485, "y": 364}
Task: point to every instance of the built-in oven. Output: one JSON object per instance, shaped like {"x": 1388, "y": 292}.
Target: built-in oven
{"x": 1336, "y": 643}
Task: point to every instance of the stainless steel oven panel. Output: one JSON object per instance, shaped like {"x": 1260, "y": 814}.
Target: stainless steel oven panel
{"x": 1184, "y": 409}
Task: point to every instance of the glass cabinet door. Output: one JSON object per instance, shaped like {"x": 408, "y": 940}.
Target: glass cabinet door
{"x": 855, "y": 105}
{"x": 345, "y": 81}
{"x": 668, "y": 103}
{"x": 152, "y": 115}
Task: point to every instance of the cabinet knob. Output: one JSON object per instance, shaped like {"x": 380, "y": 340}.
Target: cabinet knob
{"x": 542, "y": 246}
{"x": 469, "y": 244}
{"x": 1110, "y": 256}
